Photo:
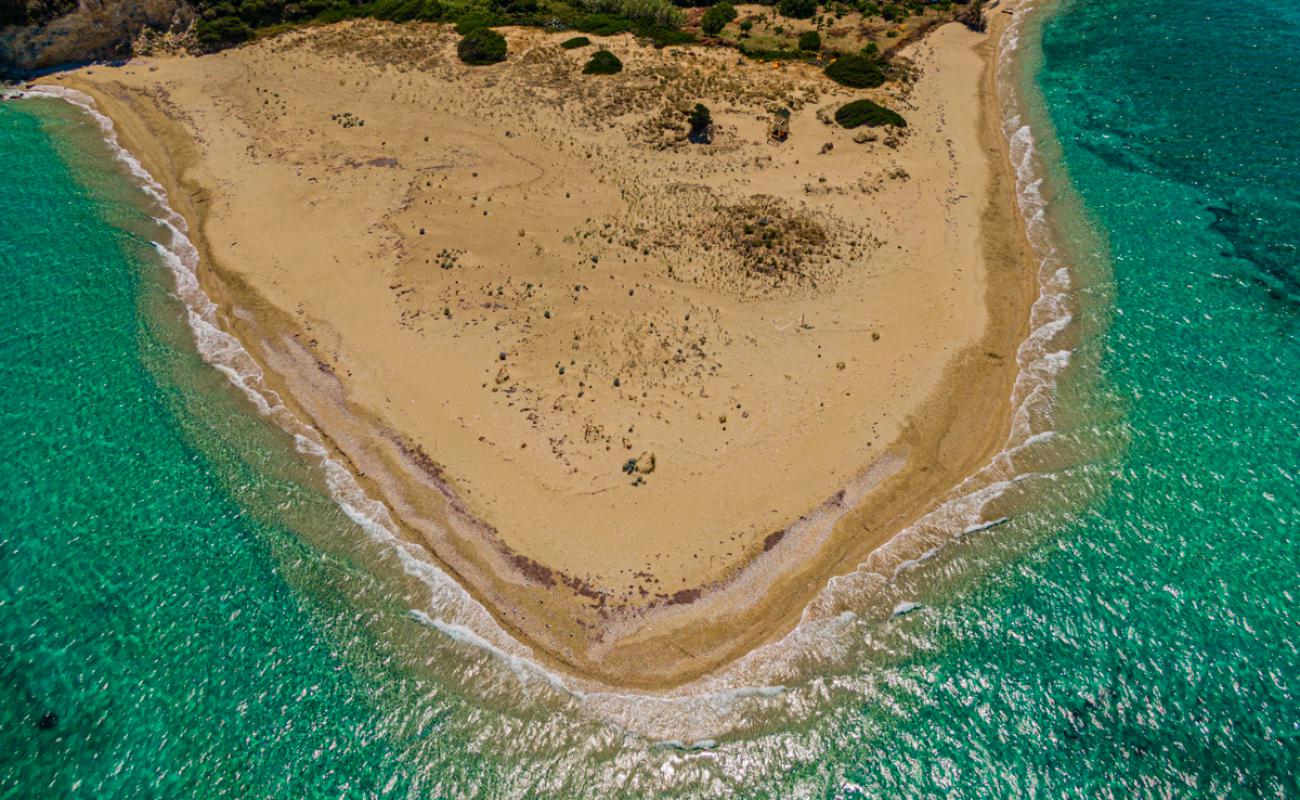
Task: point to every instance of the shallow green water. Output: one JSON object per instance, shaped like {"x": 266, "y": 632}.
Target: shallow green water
{"x": 192, "y": 615}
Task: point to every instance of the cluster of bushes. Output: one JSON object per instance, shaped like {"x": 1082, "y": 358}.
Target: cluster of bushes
{"x": 603, "y": 62}
{"x": 865, "y": 112}
{"x": 222, "y": 23}
{"x": 575, "y": 43}
{"x": 856, "y": 71}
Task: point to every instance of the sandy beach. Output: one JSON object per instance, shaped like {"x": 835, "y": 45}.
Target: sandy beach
{"x": 641, "y": 397}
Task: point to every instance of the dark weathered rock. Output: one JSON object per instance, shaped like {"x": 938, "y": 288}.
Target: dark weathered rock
{"x": 93, "y": 30}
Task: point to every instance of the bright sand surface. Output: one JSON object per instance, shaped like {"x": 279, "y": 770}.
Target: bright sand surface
{"x": 642, "y": 397}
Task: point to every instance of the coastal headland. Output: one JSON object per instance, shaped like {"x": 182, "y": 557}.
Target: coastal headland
{"x": 641, "y": 396}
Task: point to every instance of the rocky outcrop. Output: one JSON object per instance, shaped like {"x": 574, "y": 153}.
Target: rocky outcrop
{"x": 93, "y": 30}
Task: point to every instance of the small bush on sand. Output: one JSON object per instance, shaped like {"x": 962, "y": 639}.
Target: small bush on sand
{"x": 603, "y": 62}
{"x": 482, "y": 46}
{"x": 865, "y": 112}
{"x": 701, "y": 122}
{"x": 856, "y": 71}
{"x": 810, "y": 41}
{"x": 717, "y": 17}
{"x": 797, "y": 9}
{"x": 575, "y": 43}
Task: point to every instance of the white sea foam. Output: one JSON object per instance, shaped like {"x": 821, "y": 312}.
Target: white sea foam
{"x": 904, "y": 608}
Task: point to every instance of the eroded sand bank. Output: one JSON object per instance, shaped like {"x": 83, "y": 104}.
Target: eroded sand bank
{"x": 642, "y": 397}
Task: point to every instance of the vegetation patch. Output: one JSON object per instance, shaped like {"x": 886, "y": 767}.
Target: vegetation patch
{"x": 575, "y": 43}
{"x": 810, "y": 41}
{"x": 482, "y": 46}
{"x": 222, "y": 32}
{"x": 759, "y": 54}
{"x": 223, "y": 23}
{"x": 603, "y": 62}
{"x": 856, "y": 71}
{"x": 472, "y": 22}
{"x": 865, "y": 112}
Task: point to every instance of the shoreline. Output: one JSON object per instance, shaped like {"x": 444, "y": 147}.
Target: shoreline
{"x": 937, "y": 460}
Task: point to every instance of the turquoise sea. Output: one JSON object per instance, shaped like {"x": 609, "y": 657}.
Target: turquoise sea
{"x": 195, "y": 603}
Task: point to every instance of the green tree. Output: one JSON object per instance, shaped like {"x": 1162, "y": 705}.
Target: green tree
{"x": 810, "y": 41}
{"x": 717, "y": 17}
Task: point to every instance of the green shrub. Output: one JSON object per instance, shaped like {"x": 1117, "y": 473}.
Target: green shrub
{"x": 482, "y": 46}
{"x": 222, "y": 31}
{"x": 856, "y": 71}
{"x": 717, "y": 17}
{"x": 575, "y": 43}
{"x": 865, "y": 112}
{"x": 810, "y": 41}
{"x": 797, "y": 9}
{"x": 603, "y": 62}
{"x": 892, "y": 12}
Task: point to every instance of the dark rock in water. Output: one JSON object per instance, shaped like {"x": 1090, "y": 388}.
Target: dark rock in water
{"x": 48, "y": 721}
